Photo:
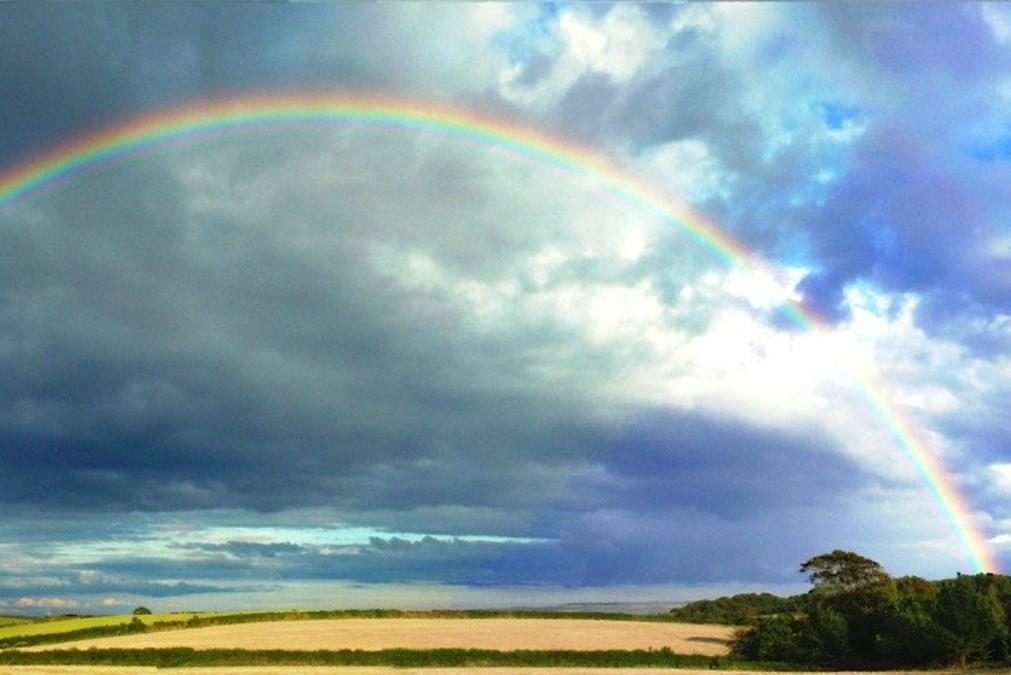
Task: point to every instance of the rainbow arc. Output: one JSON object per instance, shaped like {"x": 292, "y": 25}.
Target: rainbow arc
{"x": 362, "y": 108}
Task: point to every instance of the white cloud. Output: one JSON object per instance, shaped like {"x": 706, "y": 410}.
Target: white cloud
{"x": 686, "y": 168}
{"x": 1001, "y": 540}
{"x": 1000, "y": 474}
{"x": 745, "y": 28}
{"x": 618, "y": 44}
{"x": 998, "y": 17}
{"x": 442, "y": 49}
{"x": 52, "y": 602}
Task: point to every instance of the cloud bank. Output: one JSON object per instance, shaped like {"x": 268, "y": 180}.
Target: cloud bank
{"x": 240, "y": 365}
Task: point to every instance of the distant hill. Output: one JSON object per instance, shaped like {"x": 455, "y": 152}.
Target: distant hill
{"x": 639, "y": 608}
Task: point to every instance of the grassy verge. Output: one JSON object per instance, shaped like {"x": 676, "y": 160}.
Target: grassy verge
{"x": 180, "y": 657}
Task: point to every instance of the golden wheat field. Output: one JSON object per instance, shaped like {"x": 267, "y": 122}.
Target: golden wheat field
{"x": 429, "y": 633}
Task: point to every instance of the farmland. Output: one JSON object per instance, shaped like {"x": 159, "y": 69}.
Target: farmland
{"x": 430, "y": 640}
{"x": 433, "y": 643}
{"x": 10, "y": 620}
{"x": 30, "y": 627}
{"x": 375, "y": 634}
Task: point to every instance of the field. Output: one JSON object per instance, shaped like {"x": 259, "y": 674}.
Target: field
{"x": 434, "y": 644}
{"x": 430, "y": 633}
{"x": 6, "y": 620}
{"x": 54, "y": 626}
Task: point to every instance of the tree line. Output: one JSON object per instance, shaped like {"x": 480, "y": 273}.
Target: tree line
{"x": 858, "y": 616}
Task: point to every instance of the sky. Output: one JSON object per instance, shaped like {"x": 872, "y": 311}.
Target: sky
{"x": 353, "y": 365}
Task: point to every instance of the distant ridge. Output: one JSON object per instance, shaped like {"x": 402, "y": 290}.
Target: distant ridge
{"x": 644, "y": 608}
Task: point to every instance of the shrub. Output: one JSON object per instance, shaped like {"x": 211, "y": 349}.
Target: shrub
{"x": 773, "y": 639}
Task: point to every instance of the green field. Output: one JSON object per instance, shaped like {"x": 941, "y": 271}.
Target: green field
{"x": 28, "y": 626}
{"x": 6, "y": 620}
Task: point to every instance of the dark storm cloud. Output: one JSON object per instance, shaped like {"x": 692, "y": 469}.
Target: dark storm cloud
{"x": 636, "y": 550}
{"x": 914, "y": 212}
{"x": 906, "y": 219}
{"x": 695, "y": 97}
{"x": 61, "y": 72}
{"x": 207, "y": 360}
{"x": 671, "y": 492}
{"x": 72, "y": 587}
{"x": 663, "y": 503}
{"x": 448, "y": 519}
{"x": 387, "y": 560}
{"x": 677, "y": 491}
{"x": 671, "y": 459}
{"x": 380, "y": 560}
{"x": 71, "y": 69}
{"x": 597, "y": 549}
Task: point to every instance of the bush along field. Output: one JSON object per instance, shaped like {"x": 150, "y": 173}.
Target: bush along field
{"x": 180, "y": 657}
{"x": 857, "y": 616}
{"x": 745, "y": 609}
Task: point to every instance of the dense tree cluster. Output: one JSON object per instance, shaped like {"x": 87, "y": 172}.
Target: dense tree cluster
{"x": 743, "y": 609}
{"x": 858, "y": 616}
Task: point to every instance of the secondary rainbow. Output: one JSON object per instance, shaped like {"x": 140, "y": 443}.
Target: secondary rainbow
{"x": 363, "y": 108}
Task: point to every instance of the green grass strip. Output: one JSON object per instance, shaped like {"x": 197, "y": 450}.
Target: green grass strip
{"x": 126, "y": 628}
{"x": 65, "y": 624}
{"x": 187, "y": 657}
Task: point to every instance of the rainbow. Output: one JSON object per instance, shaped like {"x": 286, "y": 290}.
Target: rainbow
{"x": 361, "y": 108}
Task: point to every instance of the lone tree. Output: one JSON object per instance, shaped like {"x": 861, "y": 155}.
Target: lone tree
{"x": 844, "y": 572}
{"x": 141, "y": 610}
{"x": 853, "y": 598}
{"x": 850, "y": 584}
